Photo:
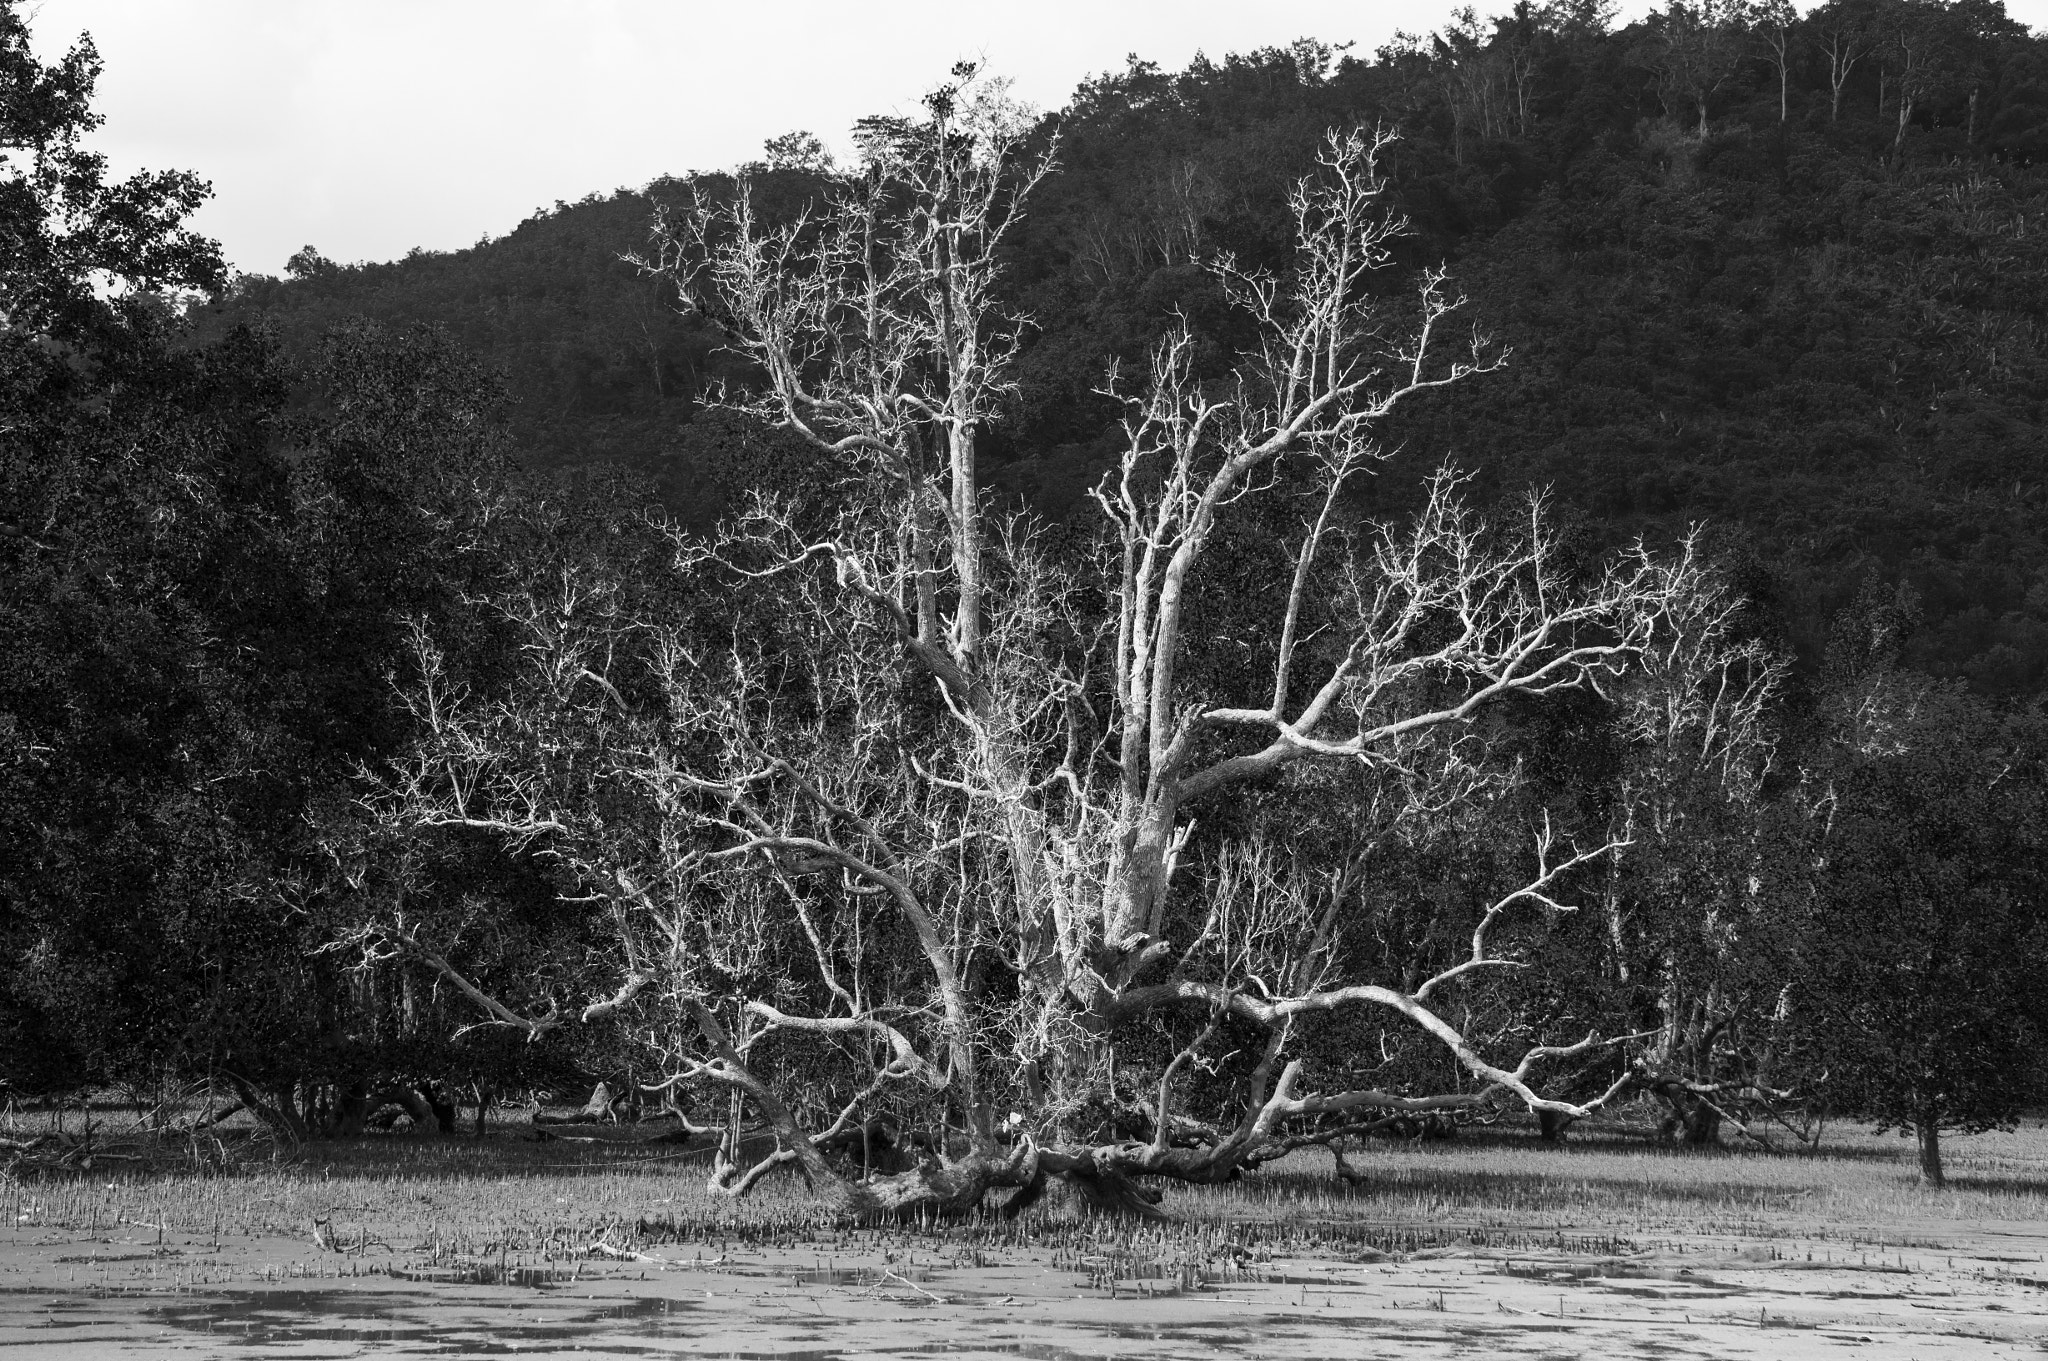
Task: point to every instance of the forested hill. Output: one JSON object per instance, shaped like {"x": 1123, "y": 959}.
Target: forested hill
{"x": 1786, "y": 275}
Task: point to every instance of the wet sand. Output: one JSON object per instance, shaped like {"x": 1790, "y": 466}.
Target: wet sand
{"x": 1957, "y": 1291}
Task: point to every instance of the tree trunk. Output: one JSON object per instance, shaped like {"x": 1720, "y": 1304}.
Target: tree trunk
{"x": 1693, "y": 1122}
{"x": 351, "y": 1111}
{"x": 441, "y": 1101}
{"x": 951, "y": 1187}
{"x": 1102, "y": 1188}
{"x": 941, "y": 1188}
{"x": 431, "y": 1114}
{"x": 1929, "y": 1131}
{"x": 599, "y": 1110}
{"x": 277, "y": 1112}
{"x": 873, "y": 1147}
{"x": 1351, "y": 1176}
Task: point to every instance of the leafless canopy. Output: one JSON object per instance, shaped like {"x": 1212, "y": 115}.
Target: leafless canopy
{"x": 906, "y": 832}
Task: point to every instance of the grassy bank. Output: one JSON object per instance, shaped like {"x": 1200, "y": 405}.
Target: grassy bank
{"x": 1603, "y": 1191}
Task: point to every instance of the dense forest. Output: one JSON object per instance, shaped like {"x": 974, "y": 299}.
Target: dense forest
{"x": 1313, "y": 595}
{"x": 1802, "y": 309}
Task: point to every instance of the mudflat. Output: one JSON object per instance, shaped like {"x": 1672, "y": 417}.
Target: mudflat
{"x": 1498, "y": 1250}
{"x": 1969, "y": 1294}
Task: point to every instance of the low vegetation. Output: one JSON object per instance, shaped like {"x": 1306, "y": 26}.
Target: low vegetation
{"x": 1614, "y": 1187}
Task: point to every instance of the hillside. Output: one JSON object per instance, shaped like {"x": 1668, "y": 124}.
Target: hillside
{"x": 1808, "y": 315}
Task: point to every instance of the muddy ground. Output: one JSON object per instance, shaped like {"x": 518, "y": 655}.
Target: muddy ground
{"x": 1965, "y": 1290}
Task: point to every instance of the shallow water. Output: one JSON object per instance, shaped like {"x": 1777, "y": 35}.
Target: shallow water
{"x": 82, "y": 1298}
{"x": 418, "y": 1325}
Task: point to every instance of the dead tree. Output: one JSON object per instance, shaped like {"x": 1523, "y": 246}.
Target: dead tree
{"x": 905, "y": 833}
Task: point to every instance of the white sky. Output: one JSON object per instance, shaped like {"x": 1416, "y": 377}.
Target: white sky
{"x": 367, "y": 127}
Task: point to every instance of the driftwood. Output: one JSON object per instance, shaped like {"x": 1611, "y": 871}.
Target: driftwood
{"x": 600, "y": 1248}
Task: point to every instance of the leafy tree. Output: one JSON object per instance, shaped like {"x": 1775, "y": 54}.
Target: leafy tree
{"x": 308, "y": 263}
{"x": 208, "y": 554}
{"x": 104, "y": 702}
{"x": 799, "y": 151}
{"x": 64, "y": 230}
{"x": 1927, "y": 989}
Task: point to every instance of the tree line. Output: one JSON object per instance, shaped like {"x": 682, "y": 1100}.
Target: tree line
{"x": 1239, "y": 785}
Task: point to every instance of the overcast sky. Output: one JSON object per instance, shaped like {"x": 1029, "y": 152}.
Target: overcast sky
{"x": 368, "y": 127}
